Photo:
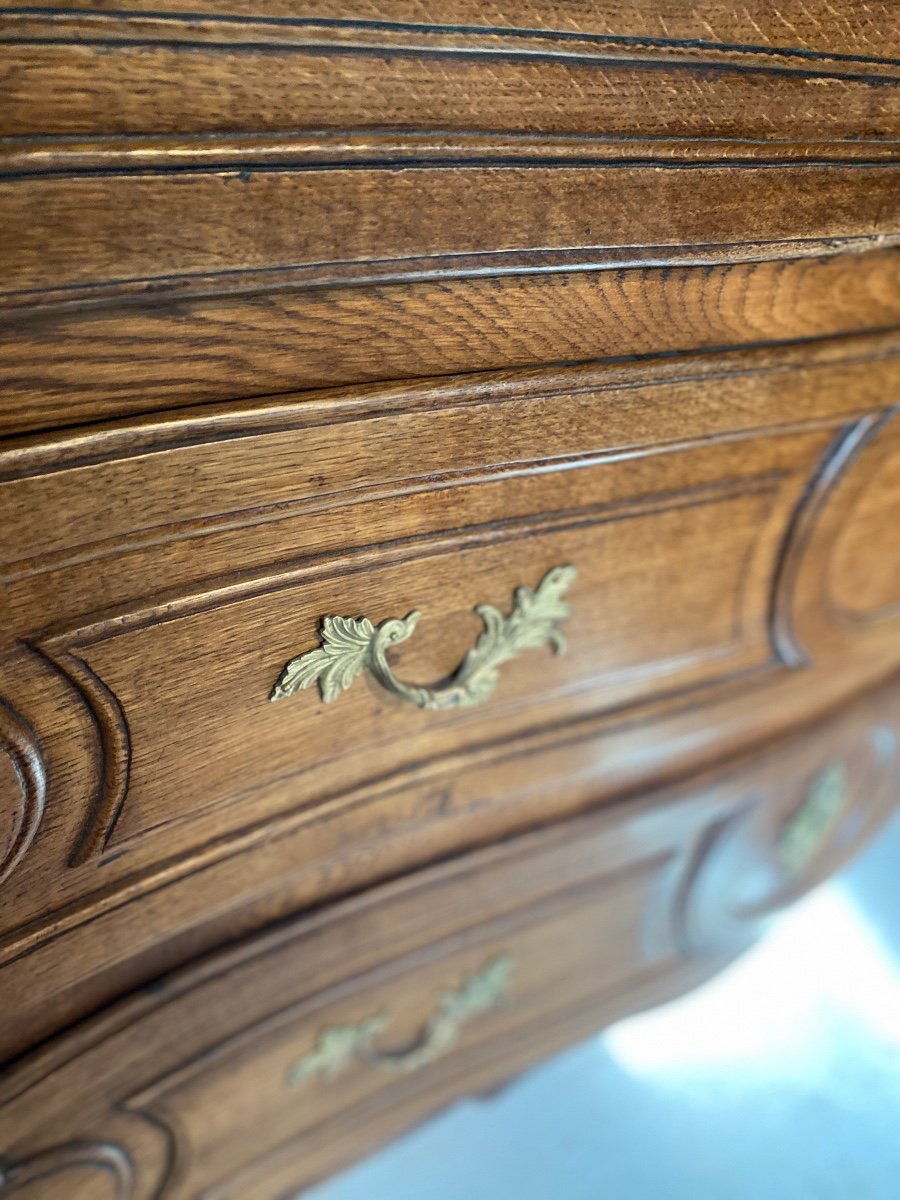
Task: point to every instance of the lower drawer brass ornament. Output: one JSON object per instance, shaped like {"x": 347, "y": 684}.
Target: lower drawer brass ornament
{"x": 337, "y": 1047}
{"x": 349, "y": 645}
{"x": 808, "y": 829}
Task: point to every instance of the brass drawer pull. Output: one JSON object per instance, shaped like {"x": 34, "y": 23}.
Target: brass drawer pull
{"x": 337, "y": 1047}
{"x": 806, "y": 832}
{"x": 349, "y": 645}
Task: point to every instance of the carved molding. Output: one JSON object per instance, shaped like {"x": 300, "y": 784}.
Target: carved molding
{"x": 114, "y": 750}
{"x": 19, "y": 744}
{"x": 873, "y": 479}
{"x": 68, "y": 651}
{"x": 817, "y": 522}
{"x": 103, "y": 1157}
{"x": 404, "y": 37}
{"x": 113, "y": 447}
{"x": 333, "y": 147}
{"x": 170, "y": 1102}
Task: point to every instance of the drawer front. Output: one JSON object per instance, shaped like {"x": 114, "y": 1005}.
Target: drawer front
{"x": 195, "y": 681}
{"x": 369, "y": 1046}
{"x": 169, "y": 588}
{"x": 258, "y": 1069}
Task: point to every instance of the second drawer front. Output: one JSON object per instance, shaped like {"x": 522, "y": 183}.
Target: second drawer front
{"x": 375, "y": 1042}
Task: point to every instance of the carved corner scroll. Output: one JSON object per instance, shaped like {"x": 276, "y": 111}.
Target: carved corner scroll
{"x": 113, "y": 747}
{"x": 22, "y": 811}
{"x": 351, "y": 645}
{"x": 805, "y": 620}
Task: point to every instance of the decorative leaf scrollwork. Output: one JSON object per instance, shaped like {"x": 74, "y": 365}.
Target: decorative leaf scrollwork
{"x": 341, "y": 657}
{"x": 337, "y": 1047}
{"x": 350, "y": 645}
{"x": 807, "y": 831}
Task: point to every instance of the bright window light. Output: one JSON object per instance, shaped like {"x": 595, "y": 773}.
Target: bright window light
{"x": 830, "y": 967}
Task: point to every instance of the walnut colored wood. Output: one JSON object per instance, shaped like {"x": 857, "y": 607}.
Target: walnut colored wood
{"x": 335, "y": 311}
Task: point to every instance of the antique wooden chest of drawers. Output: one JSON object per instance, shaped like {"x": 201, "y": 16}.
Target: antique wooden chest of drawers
{"x": 450, "y": 569}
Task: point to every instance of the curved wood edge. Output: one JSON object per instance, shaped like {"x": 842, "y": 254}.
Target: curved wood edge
{"x": 699, "y": 830}
{"x": 846, "y": 448}
{"x": 19, "y": 742}
{"x": 816, "y": 524}
{"x": 114, "y": 745}
{"x": 43, "y": 156}
{"x": 102, "y": 1156}
{"x": 796, "y": 28}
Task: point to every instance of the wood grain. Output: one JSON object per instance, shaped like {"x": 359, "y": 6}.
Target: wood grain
{"x": 176, "y": 697}
{"x": 839, "y": 585}
{"x": 841, "y": 26}
{"x": 95, "y": 231}
{"x": 26, "y": 155}
{"x": 237, "y": 759}
{"x": 365, "y": 444}
{"x": 349, "y": 310}
{"x": 865, "y": 572}
{"x": 73, "y": 367}
{"x": 88, "y": 75}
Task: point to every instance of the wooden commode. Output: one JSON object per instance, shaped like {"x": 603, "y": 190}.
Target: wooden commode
{"x": 449, "y": 547}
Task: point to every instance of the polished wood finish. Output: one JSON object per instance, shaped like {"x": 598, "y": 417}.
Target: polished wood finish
{"x": 840, "y": 26}
{"x": 332, "y": 310}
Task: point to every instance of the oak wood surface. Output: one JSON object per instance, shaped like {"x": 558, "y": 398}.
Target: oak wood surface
{"x": 88, "y": 364}
{"x": 93, "y": 230}
{"x": 156, "y": 72}
{"x": 681, "y": 491}
{"x": 841, "y": 26}
{"x": 194, "y": 86}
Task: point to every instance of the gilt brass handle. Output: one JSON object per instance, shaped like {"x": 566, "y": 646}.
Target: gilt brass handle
{"x": 349, "y": 645}
{"x": 338, "y": 1046}
{"x": 805, "y": 832}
